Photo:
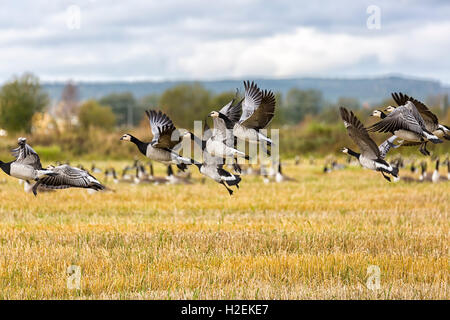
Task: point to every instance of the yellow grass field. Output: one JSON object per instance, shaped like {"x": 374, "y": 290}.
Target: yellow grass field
{"x": 313, "y": 239}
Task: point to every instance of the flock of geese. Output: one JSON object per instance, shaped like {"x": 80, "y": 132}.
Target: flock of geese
{"x": 239, "y": 119}
{"x": 411, "y": 123}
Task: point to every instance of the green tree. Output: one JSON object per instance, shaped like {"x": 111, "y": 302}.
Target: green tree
{"x": 124, "y": 106}
{"x": 300, "y": 103}
{"x": 20, "y": 99}
{"x": 186, "y": 103}
{"x": 92, "y": 114}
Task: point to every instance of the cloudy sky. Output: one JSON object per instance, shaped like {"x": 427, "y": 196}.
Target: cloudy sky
{"x": 190, "y": 39}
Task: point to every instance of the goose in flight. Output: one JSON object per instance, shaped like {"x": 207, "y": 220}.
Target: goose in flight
{"x": 430, "y": 119}
{"x": 212, "y": 166}
{"x": 258, "y": 109}
{"x": 67, "y": 177}
{"x": 221, "y": 142}
{"x": 371, "y": 156}
{"x": 165, "y": 140}
{"x": 406, "y": 123}
{"x": 27, "y": 165}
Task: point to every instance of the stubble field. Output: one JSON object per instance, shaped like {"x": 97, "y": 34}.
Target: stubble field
{"x": 311, "y": 239}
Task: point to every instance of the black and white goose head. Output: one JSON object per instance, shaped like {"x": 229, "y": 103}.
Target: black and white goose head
{"x": 389, "y": 109}
{"x": 214, "y": 114}
{"x": 126, "y": 137}
{"x": 378, "y": 114}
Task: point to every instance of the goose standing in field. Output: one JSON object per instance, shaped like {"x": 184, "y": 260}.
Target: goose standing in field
{"x": 423, "y": 172}
{"x": 280, "y": 177}
{"x": 258, "y": 109}
{"x": 405, "y": 122}
{"x": 174, "y": 179}
{"x": 436, "y": 177}
{"x": 27, "y": 165}
{"x": 165, "y": 140}
{"x": 371, "y": 156}
{"x": 94, "y": 169}
{"x": 68, "y": 177}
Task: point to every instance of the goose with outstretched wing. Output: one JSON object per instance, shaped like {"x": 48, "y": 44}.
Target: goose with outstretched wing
{"x": 406, "y": 123}
{"x": 370, "y": 156}
{"x": 27, "y": 165}
{"x": 258, "y": 109}
{"x": 212, "y": 166}
{"x": 166, "y": 140}
{"x": 431, "y": 121}
{"x": 68, "y": 177}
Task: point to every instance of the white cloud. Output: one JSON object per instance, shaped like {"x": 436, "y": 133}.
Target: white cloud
{"x": 216, "y": 40}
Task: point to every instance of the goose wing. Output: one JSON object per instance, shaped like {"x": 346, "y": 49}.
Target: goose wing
{"x": 232, "y": 110}
{"x": 252, "y": 100}
{"x": 25, "y": 154}
{"x": 163, "y": 130}
{"x": 430, "y": 119}
{"x": 386, "y": 146}
{"x": 359, "y": 135}
{"x": 67, "y": 177}
{"x": 263, "y": 114}
{"x": 402, "y": 118}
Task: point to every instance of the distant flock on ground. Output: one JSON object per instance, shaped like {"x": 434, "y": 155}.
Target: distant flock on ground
{"x": 411, "y": 123}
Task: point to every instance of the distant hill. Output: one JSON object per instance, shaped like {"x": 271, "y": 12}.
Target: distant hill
{"x": 365, "y": 89}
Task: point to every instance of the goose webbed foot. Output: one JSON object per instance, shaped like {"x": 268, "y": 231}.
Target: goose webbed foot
{"x": 386, "y": 177}
{"x": 228, "y": 189}
{"x": 423, "y": 149}
{"x": 35, "y": 187}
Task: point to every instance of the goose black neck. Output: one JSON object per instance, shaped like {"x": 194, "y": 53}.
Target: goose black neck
{"x": 201, "y": 143}
{"x": 353, "y": 153}
{"x": 6, "y": 167}
{"x": 142, "y": 146}
{"x": 228, "y": 122}
{"x": 382, "y": 115}
{"x": 437, "y": 164}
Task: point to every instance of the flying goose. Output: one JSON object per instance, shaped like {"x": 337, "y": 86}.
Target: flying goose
{"x": 27, "y": 165}
{"x": 230, "y": 114}
{"x": 406, "y": 123}
{"x": 371, "y": 156}
{"x": 258, "y": 109}
{"x": 221, "y": 142}
{"x": 212, "y": 166}
{"x": 165, "y": 140}
{"x": 430, "y": 119}
{"x": 68, "y": 177}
